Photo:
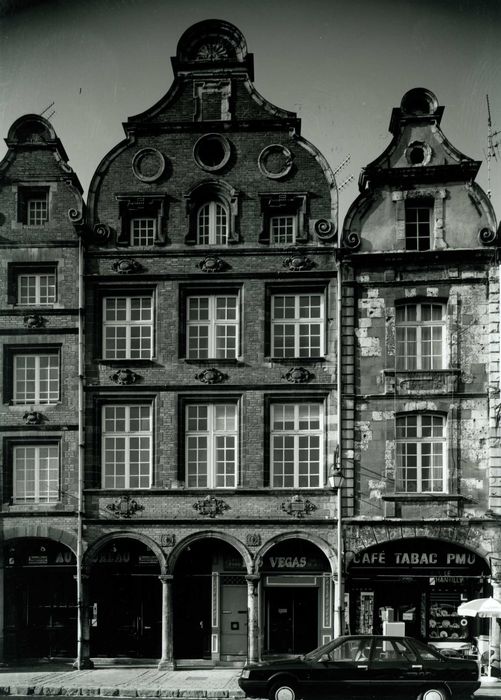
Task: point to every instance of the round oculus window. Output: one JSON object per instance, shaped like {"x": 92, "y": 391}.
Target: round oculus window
{"x": 275, "y": 161}
{"x": 418, "y": 153}
{"x": 212, "y": 151}
{"x": 148, "y": 164}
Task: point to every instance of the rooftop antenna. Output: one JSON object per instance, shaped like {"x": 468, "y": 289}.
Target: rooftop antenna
{"x": 342, "y": 164}
{"x": 345, "y": 182}
{"x": 51, "y": 115}
{"x": 492, "y": 146}
{"x": 47, "y": 109}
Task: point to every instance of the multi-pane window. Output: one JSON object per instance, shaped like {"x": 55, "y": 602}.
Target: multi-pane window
{"x": 296, "y": 445}
{"x": 128, "y": 327}
{"x": 36, "y": 378}
{"x": 127, "y": 446}
{"x": 283, "y": 230}
{"x": 418, "y": 227}
{"x": 297, "y": 325}
{"x": 211, "y": 445}
{"x": 421, "y": 454}
{"x": 36, "y": 473}
{"x": 37, "y": 288}
{"x": 212, "y": 224}
{"x": 143, "y": 231}
{"x": 420, "y": 336}
{"x": 212, "y": 326}
{"x": 36, "y": 210}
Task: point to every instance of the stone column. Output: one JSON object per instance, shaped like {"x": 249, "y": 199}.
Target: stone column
{"x": 167, "y": 660}
{"x": 495, "y": 643}
{"x": 84, "y": 660}
{"x": 253, "y": 617}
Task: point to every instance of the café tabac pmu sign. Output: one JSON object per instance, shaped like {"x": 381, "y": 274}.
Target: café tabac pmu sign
{"x": 420, "y": 555}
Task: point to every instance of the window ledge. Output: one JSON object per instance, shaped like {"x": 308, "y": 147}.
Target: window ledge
{"x": 213, "y": 361}
{"x": 36, "y": 507}
{"x": 420, "y": 497}
{"x": 421, "y": 381}
{"x": 123, "y": 361}
{"x": 295, "y": 360}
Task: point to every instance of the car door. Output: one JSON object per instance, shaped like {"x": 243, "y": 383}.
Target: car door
{"x": 343, "y": 671}
{"x": 394, "y": 667}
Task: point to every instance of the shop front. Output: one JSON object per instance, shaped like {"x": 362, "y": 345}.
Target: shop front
{"x": 419, "y": 583}
{"x": 210, "y": 602}
{"x": 40, "y": 605}
{"x": 125, "y": 601}
{"x": 297, "y": 608}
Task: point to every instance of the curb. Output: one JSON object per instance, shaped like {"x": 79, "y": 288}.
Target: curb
{"x": 167, "y": 693}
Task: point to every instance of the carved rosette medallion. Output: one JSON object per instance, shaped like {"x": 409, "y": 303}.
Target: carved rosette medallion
{"x": 124, "y": 377}
{"x": 34, "y": 321}
{"x": 33, "y": 418}
{"x": 253, "y": 539}
{"x": 298, "y": 262}
{"x": 211, "y": 375}
{"x": 212, "y": 51}
{"x": 212, "y": 264}
{"x": 275, "y": 161}
{"x": 210, "y": 506}
{"x": 168, "y": 539}
{"x": 124, "y": 507}
{"x": 298, "y": 375}
{"x": 126, "y": 266}
{"x": 298, "y": 507}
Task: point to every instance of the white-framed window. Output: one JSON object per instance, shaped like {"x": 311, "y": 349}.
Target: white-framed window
{"x": 128, "y": 327}
{"x": 37, "y": 212}
{"x": 212, "y": 224}
{"x": 212, "y": 326}
{"x": 36, "y": 378}
{"x": 283, "y": 229}
{"x": 421, "y": 454}
{"x": 211, "y": 445}
{"x": 143, "y": 231}
{"x": 36, "y": 473}
{"x": 127, "y": 446}
{"x": 296, "y": 449}
{"x": 420, "y": 336}
{"x": 418, "y": 226}
{"x": 297, "y": 325}
{"x": 36, "y": 288}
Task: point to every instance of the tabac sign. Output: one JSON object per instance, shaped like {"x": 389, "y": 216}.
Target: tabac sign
{"x": 418, "y": 556}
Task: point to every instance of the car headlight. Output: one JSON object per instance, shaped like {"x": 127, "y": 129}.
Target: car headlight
{"x": 245, "y": 673}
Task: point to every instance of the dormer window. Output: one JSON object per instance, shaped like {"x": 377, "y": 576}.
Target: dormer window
{"x": 142, "y": 219}
{"x": 143, "y": 231}
{"x": 283, "y": 230}
{"x": 418, "y": 225}
{"x": 33, "y": 206}
{"x": 284, "y": 216}
{"x": 212, "y": 224}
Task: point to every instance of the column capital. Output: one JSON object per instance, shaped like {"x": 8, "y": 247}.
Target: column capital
{"x": 253, "y": 578}
{"x": 166, "y": 578}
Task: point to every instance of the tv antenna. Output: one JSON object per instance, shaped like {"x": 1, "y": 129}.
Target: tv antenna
{"x": 47, "y": 109}
{"x": 342, "y": 164}
{"x": 344, "y": 183}
{"x": 492, "y": 146}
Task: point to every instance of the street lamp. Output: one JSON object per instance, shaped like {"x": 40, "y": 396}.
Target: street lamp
{"x": 336, "y": 482}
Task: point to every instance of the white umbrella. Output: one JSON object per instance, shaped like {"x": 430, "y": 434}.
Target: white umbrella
{"x": 482, "y": 607}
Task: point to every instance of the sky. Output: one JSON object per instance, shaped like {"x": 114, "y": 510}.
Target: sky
{"x": 342, "y": 66}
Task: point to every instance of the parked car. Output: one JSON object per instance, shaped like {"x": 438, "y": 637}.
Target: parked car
{"x": 363, "y": 666}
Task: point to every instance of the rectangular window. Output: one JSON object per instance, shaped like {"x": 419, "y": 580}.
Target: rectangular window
{"x": 36, "y": 378}
{"x": 128, "y": 327}
{"x": 283, "y": 230}
{"x": 36, "y": 288}
{"x": 420, "y": 336}
{"x": 36, "y": 473}
{"x": 212, "y": 326}
{"x": 143, "y": 231}
{"x": 296, "y": 445}
{"x": 37, "y": 210}
{"x": 418, "y": 227}
{"x": 127, "y": 446}
{"x": 297, "y": 325}
{"x": 211, "y": 445}
{"x": 421, "y": 456}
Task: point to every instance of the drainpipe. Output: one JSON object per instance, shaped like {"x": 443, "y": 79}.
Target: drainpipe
{"x": 339, "y": 595}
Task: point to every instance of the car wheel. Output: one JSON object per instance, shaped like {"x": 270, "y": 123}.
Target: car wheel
{"x": 283, "y": 690}
{"x": 434, "y": 694}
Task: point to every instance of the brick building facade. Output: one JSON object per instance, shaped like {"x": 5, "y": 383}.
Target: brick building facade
{"x": 170, "y": 412}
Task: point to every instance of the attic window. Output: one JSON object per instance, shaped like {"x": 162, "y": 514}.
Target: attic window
{"x": 212, "y": 100}
{"x": 33, "y": 206}
{"x": 212, "y": 152}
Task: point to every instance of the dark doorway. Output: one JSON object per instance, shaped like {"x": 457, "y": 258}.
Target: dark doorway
{"x": 126, "y": 601}
{"x": 291, "y": 620}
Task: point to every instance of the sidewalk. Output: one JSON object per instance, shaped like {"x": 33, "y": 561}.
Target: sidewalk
{"x": 141, "y": 681}
{"x": 130, "y": 682}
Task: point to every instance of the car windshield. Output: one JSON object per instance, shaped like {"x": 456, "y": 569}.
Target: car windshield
{"x": 343, "y": 649}
{"x": 427, "y": 652}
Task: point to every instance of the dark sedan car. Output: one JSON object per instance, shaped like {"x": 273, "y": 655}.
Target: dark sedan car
{"x": 364, "y": 666}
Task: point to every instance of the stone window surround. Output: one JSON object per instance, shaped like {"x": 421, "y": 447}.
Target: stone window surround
{"x": 281, "y": 204}
{"x": 17, "y": 268}
{"x": 21, "y": 191}
{"x": 10, "y": 351}
{"x": 438, "y": 230}
{"x": 9, "y": 445}
{"x": 139, "y": 205}
{"x": 201, "y": 87}
{"x": 212, "y": 190}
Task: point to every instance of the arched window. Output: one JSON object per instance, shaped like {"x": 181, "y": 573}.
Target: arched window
{"x": 212, "y": 224}
{"x": 421, "y": 454}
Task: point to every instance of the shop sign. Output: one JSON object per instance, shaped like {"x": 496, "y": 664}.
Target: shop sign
{"x": 111, "y": 557}
{"x": 38, "y": 559}
{"x": 292, "y": 563}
